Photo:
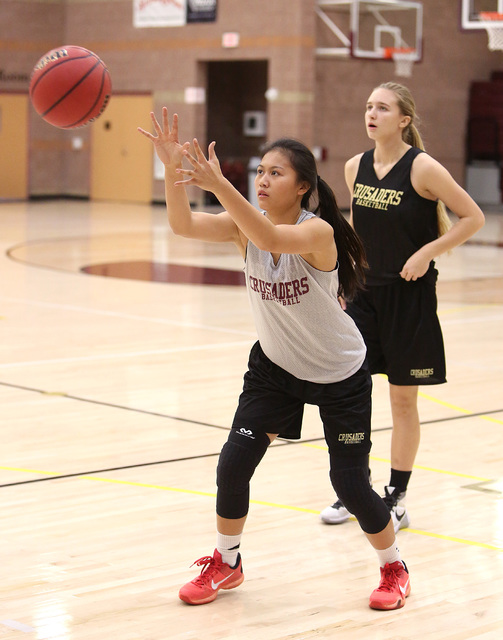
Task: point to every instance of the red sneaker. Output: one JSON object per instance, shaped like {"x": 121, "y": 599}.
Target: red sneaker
{"x": 393, "y": 588}
{"x": 214, "y": 575}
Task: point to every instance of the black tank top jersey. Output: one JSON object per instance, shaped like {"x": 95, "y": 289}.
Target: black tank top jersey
{"x": 391, "y": 218}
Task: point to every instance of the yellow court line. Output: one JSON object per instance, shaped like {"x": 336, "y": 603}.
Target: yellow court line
{"x": 45, "y": 473}
{"x": 470, "y": 307}
{"x": 146, "y": 485}
{"x": 452, "y": 473}
{"x": 449, "y": 405}
{"x": 456, "y": 408}
{"x": 288, "y": 507}
{"x": 416, "y": 466}
{"x": 304, "y": 444}
{"x": 444, "y": 404}
{"x": 197, "y": 493}
{"x": 440, "y": 536}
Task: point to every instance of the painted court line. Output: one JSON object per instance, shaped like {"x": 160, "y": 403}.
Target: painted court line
{"x": 17, "y": 626}
{"x": 128, "y": 316}
{"x": 416, "y": 466}
{"x": 132, "y": 354}
{"x": 274, "y": 505}
{"x": 456, "y": 408}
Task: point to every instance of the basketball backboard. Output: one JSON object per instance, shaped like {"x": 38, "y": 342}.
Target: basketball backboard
{"x": 472, "y": 13}
{"x": 371, "y": 29}
{"x": 484, "y": 14}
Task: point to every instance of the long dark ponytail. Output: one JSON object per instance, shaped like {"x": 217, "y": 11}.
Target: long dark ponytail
{"x": 320, "y": 199}
{"x": 350, "y": 251}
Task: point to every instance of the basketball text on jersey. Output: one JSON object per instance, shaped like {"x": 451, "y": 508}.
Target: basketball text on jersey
{"x": 351, "y": 438}
{"x": 422, "y": 373}
{"x": 376, "y": 198}
{"x": 285, "y": 293}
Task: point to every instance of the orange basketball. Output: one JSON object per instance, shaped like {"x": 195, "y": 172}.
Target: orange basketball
{"x": 70, "y": 87}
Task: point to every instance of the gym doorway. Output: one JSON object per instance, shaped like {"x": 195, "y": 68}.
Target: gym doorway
{"x": 236, "y": 116}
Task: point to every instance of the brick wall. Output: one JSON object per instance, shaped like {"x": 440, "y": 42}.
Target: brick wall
{"x": 320, "y": 100}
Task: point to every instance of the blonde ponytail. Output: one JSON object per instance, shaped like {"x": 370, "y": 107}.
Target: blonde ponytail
{"x": 411, "y": 136}
{"x": 443, "y": 221}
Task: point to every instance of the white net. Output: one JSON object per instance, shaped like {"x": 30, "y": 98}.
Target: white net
{"x": 495, "y": 36}
{"x": 404, "y": 61}
{"x": 494, "y": 30}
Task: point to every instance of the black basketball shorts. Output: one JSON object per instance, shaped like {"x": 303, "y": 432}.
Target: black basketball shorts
{"x": 273, "y": 400}
{"x": 400, "y": 326}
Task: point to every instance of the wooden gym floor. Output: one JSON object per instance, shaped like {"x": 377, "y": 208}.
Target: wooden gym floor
{"x": 117, "y": 393}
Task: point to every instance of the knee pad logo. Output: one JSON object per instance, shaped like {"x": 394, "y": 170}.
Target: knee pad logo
{"x": 248, "y": 433}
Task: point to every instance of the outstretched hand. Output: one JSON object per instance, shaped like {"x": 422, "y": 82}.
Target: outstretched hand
{"x": 169, "y": 151}
{"x": 205, "y": 173}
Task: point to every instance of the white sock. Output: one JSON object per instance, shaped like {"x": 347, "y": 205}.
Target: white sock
{"x": 228, "y": 547}
{"x": 389, "y": 555}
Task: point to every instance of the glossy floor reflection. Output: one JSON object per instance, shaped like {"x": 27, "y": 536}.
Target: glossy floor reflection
{"x": 117, "y": 394}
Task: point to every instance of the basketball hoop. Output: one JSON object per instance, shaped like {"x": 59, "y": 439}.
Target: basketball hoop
{"x": 403, "y": 58}
{"x": 494, "y": 30}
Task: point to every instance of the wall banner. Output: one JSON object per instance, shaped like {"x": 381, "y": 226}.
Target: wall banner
{"x": 201, "y": 10}
{"x": 159, "y": 13}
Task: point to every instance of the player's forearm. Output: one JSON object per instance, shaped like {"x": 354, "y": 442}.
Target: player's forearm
{"x": 177, "y": 203}
{"x": 250, "y": 220}
{"x": 459, "y": 233}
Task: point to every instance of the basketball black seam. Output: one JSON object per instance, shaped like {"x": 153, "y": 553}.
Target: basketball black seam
{"x": 70, "y": 126}
{"x": 57, "y": 64}
{"x": 70, "y": 90}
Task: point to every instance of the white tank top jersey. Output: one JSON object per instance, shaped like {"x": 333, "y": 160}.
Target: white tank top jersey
{"x": 300, "y": 323}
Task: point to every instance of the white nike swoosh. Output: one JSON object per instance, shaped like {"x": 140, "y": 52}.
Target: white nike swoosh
{"x": 403, "y": 590}
{"x": 214, "y": 585}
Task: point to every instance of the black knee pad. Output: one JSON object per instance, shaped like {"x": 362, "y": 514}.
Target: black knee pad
{"x": 238, "y": 460}
{"x": 354, "y": 490}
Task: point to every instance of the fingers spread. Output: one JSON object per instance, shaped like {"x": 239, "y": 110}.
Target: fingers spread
{"x": 199, "y": 152}
{"x": 146, "y": 133}
{"x": 157, "y": 126}
{"x": 188, "y": 155}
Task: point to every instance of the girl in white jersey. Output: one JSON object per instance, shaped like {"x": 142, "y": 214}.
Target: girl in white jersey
{"x": 309, "y": 350}
{"x": 398, "y": 193}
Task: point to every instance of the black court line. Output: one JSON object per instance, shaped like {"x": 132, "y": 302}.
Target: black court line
{"x": 279, "y": 442}
{"x": 109, "y": 404}
{"x": 108, "y": 470}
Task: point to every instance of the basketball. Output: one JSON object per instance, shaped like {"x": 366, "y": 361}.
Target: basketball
{"x": 70, "y": 87}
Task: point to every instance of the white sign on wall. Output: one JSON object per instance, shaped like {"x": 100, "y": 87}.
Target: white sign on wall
{"x": 159, "y": 13}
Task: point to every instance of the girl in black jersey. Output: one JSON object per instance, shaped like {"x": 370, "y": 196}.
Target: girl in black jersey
{"x": 398, "y": 193}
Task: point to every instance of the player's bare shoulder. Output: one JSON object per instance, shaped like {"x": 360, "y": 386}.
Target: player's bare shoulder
{"x": 351, "y": 169}
{"x": 426, "y": 174}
